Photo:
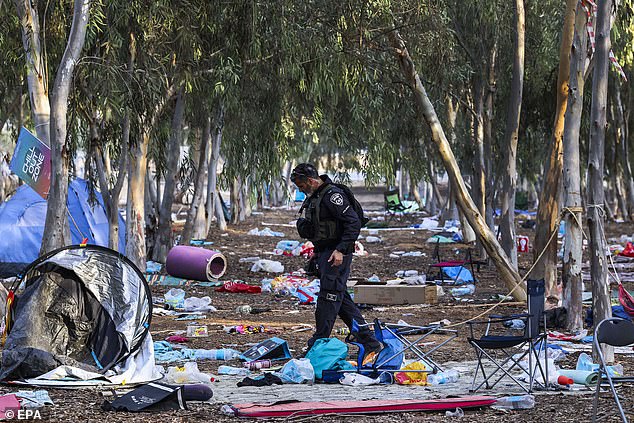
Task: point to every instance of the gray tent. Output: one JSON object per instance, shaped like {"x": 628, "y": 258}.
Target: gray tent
{"x": 82, "y": 306}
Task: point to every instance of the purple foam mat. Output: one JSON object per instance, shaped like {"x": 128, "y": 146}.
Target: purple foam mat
{"x": 195, "y": 263}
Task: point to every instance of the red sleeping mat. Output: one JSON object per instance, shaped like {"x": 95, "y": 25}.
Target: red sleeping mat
{"x": 301, "y": 408}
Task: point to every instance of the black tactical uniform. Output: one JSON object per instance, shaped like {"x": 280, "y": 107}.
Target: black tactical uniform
{"x": 331, "y": 224}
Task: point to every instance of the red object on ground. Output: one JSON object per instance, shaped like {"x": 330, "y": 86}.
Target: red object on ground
{"x": 301, "y": 408}
{"x": 231, "y": 286}
{"x": 177, "y": 338}
{"x": 628, "y": 251}
{"x": 564, "y": 380}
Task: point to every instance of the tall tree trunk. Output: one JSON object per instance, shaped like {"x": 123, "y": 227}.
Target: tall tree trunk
{"x": 600, "y": 288}
{"x": 548, "y": 210}
{"x": 413, "y": 188}
{"x": 507, "y": 220}
{"x": 572, "y": 260}
{"x": 214, "y": 205}
{"x": 479, "y": 167}
{"x": 623, "y": 149}
{"x": 56, "y": 229}
{"x": 36, "y": 72}
{"x": 192, "y": 230}
{"x": 488, "y": 135}
{"x": 424, "y": 106}
{"x": 235, "y": 201}
{"x": 135, "y": 248}
{"x": 164, "y": 240}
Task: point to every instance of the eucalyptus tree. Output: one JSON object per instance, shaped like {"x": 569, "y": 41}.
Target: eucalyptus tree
{"x": 50, "y": 114}
{"x": 595, "y": 215}
{"x": 572, "y": 259}
{"x": 548, "y": 210}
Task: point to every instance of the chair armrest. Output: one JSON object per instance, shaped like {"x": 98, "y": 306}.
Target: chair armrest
{"x": 500, "y": 319}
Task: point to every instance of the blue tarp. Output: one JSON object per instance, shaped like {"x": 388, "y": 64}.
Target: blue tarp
{"x": 22, "y": 220}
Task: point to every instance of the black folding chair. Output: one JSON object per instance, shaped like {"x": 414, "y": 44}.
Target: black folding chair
{"x": 497, "y": 349}
{"x": 618, "y": 333}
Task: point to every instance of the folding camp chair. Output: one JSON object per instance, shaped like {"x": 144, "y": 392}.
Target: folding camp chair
{"x": 396, "y": 341}
{"x": 496, "y": 349}
{"x": 618, "y": 333}
{"x": 393, "y": 204}
{"x": 467, "y": 263}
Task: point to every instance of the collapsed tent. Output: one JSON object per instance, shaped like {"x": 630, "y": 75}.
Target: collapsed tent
{"x": 82, "y": 306}
{"x": 22, "y": 219}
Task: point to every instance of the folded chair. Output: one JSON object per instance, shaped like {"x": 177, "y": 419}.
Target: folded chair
{"x": 499, "y": 350}
{"x": 618, "y": 333}
{"x": 393, "y": 204}
{"x": 397, "y": 340}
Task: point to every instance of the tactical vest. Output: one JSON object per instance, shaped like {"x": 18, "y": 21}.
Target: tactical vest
{"x": 323, "y": 229}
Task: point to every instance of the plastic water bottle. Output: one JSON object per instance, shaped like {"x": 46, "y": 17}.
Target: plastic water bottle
{"x": 233, "y": 371}
{"x": 441, "y": 378}
{"x": 221, "y": 354}
{"x": 463, "y": 290}
{"x": 518, "y": 402}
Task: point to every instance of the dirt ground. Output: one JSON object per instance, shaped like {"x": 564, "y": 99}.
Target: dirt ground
{"x": 84, "y": 405}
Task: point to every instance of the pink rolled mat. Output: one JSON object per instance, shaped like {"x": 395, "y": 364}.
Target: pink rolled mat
{"x": 195, "y": 263}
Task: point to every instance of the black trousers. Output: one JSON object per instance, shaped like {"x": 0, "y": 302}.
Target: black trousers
{"x": 334, "y": 300}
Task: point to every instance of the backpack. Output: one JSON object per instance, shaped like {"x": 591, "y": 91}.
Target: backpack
{"x": 356, "y": 206}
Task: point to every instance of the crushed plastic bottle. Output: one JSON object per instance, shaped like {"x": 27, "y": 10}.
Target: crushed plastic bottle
{"x": 463, "y": 290}
{"x": 441, "y": 378}
{"x": 518, "y": 402}
{"x": 233, "y": 371}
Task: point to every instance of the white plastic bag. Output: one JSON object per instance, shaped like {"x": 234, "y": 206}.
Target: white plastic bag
{"x": 356, "y": 379}
{"x": 297, "y": 371}
{"x": 198, "y": 304}
{"x": 189, "y": 373}
{"x": 267, "y": 266}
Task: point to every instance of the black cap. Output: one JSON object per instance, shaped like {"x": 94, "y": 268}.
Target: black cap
{"x": 304, "y": 170}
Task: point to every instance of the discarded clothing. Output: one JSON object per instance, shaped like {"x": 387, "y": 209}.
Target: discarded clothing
{"x": 237, "y": 287}
{"x": 34, "y": 399}
{"x": 268, "y": 379}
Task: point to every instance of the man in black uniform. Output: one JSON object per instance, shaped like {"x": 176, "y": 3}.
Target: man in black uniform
{"x": 332, "y": 225}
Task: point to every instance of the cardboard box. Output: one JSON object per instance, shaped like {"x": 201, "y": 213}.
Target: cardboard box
{"x": 395, "y": 294}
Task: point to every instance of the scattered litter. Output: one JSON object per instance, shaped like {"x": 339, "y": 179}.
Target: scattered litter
{"x": 233, "y": 371}
{"x": 200, "y": 242}
{"x": 239, "y": 286}
{"x": 374, "y": 278}
{"x": 458, "y": 413}
{"x": 188, "y": 373}
{"x": 518, "y": 402}
{"x": 463, "y": 290}
{"x": 297, "y": 371}
{"x": 372, "y": 239}
{"x": 153, "y": 267}
{"x": 267, "y": 266}
{"x": 265, "y": 232}
{"x": 197, "y": 331}
{"x": 34, "y": 399}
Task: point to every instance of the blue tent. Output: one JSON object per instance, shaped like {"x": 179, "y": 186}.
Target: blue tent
{"x": 22, "y": 220}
